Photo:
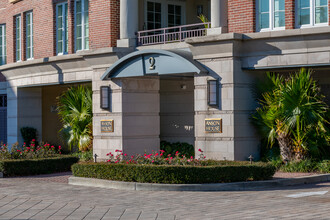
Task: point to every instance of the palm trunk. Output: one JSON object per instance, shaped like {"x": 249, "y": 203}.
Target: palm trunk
{"x": 285, "y": 147}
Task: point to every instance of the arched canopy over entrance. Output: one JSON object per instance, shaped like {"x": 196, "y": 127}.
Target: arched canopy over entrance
{"x": 154, "y": 62}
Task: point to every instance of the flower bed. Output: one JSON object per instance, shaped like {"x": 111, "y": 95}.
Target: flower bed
{"x": 31, "y": 151}
{"x": 33, "y": 159}
{"x": 25, "y": 167}
{"x": 173, "y": 169}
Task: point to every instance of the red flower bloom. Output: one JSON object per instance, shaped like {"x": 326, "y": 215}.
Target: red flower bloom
{"x": 200, "y": 150}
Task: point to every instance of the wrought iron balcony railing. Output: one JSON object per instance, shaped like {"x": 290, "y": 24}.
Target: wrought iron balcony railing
{"x": 172, "y": 34}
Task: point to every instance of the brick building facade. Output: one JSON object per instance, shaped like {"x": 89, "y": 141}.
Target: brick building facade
{"x": 117, "y": 42}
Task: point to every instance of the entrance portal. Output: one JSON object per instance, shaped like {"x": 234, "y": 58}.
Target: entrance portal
{"x": 151, "y": 100}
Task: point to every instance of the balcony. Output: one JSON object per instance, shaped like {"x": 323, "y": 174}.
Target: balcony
{"x": 150, "y": 22}
{"x": 172, "y": 34}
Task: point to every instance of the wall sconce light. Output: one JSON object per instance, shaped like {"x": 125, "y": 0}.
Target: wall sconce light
{"x": 213, "y": 93}
{"x": 105, "y": 97}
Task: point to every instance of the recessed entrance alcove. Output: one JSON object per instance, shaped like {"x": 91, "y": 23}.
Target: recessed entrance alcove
{"x": 177, "y": 109}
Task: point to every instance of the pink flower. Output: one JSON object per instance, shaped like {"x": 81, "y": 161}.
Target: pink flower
{"x": 177, "y": 152}
{"x": 156, "y": 154}
{"x": 152, "y": 161}
{"x": 132, "y": 157}
{"x": 200, "y": 150}
{"x": 33, "y": 140}
{"x": 125, "y": 155}
{"x": 191, "y": 157}
{"x": 59, "y": 147}
{"x": 171, "y": 158}
{"x": 116, "y": 162}
{"x": 127, "y": 162}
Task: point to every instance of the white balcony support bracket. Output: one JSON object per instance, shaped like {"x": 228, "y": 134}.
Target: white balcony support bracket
{"x": 219, "y": 17}
{"x": 128, "y": 23}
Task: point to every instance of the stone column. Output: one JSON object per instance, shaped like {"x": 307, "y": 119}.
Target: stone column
{"x": 128, "y": 23}
{"x": 219, "y": 17}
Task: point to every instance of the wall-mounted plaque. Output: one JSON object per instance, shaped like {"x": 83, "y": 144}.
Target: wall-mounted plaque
{"x": 213, "y": 125}
{"x": 107, "y": 126}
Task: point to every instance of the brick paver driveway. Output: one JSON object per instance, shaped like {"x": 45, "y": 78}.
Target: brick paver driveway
{"x": 52, "y": 198}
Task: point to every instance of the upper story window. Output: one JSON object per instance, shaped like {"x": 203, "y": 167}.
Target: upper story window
{"x": 81, "y": 25}
{"x": 270, "y": 15}
{"x": 29, "y": 35}
{"x": 3, "y": 54}
{"x": 160, "y": 14}
{"x": 18, "y": 41}
{"x": 312, "y": 13}
{"x": 62, "y": 28}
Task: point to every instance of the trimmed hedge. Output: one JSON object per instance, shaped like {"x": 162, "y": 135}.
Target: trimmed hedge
{"x": 174, "y": 174}
{"x": 37, "y": 166}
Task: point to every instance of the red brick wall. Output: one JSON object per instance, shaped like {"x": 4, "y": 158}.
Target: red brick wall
{"x": 241, "y": 16}
{"x": 289, "y": 14}
{"x": 43, "y": 27}
{"x": 103, "y": 24}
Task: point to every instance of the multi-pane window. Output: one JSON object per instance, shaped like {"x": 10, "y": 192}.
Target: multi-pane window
{"x": 3, "y": 53}
{"x": 29, "y": 35}
{"x": 62, "y": 28}
{"x": 270, "y": 14}
{"x": 174, "y": 15}
{"x": 312, "y": 12}
{"x": 18, "y": 42}
{"x": 81, "y": 25}
{"x": 154, "y": 15}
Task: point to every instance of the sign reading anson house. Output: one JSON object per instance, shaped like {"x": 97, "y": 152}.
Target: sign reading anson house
{"x": 213, "y": 125}
{"x": 107, "y": 126}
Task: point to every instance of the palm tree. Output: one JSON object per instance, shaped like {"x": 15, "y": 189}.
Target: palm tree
{"x": 291, "y": 112}
{"x": 75, "y": 111}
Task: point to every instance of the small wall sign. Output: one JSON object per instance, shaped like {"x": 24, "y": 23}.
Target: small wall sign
{"x": 107, "y": 126}
{"x": 213, "y": 125}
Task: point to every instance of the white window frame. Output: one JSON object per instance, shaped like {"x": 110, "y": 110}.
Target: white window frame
{"x": 271, "y": 18}
{"x": 83, "y": 34}
{"x": 18, "y": 37}
{"x": 311, "y": 17}
{"x": 164, "y": 5}
{"x": 29, "y": 47}
{"x": 64, "y": 26}
{"x": 3, "y": 58}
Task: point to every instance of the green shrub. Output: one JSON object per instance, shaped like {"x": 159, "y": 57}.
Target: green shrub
{"x": 171, "y": 148}
{"x": 305, "y": 166}
{"x": 84, "y": 156}
{"x": 37, "y": 166}
{"x": 28, "y": 134}
{"x": 174, "y": 174}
